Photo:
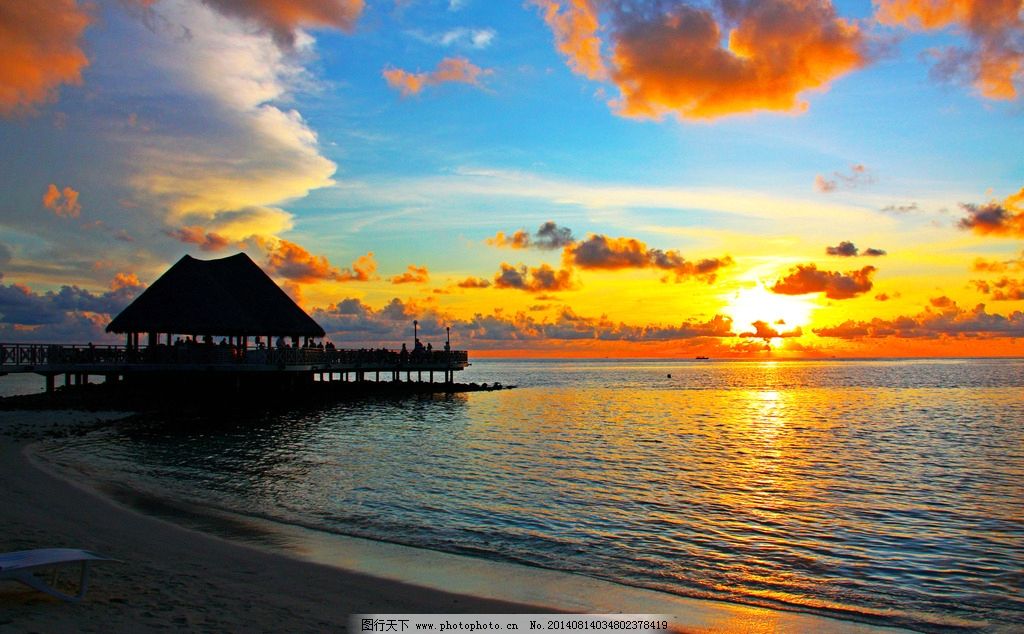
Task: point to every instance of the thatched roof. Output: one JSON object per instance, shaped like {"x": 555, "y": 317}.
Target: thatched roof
{"x": 229, "y": 296}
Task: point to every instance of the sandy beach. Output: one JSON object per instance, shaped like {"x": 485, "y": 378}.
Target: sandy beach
{"x": 174, "y": 578}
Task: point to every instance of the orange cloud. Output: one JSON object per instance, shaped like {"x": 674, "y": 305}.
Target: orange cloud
{"x": 575, "y": 25}
{"x": 1005, "y": 289}
{"x": 518, "y": 240}
{"x": 474, "y": 282}
{"x": 601, "y": 252}
{"x": 207, "y": 241}
{"x": 283, "y": 17}
{"x": 549, "y": 236}
{"x": 807, "y": 278}
{"x": 414, "y": 275}
{"x": 948, "y": 321}
{"x": 993, "y": 218}
{"x": 451, "y": 69}
{"x": 688, "y": 61}
{"x": 540, "y": 279}
{"x": 64, "y": 202}
{"x": 293, "y": 262}
{"x": 994, "y": 61}
{"x": 39, "y": 51}
{"x": 125, "y": 280}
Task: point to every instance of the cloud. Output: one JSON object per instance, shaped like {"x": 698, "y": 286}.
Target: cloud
{"x": 947, "y": 321}
{"x": 993, "y": 218}
{"x": 999, "y": 266}
{"x": 993, "y": 62}
{"x": 601, "y": 252}
{"x": 901, "y": 209}
{"x": 39, "y": 51}
{"x": 847, "y": 249}
{"x": 63, "y": 202}
{"x": 857, "y": 176}
{"x": 1002, "y": 290}
{"x": 283, "y": 18}
{"x": 703, "y": 60}
{"x": 806, "y": 278}
{"x": 413, "y": 275}
{"x": 291, "y": 261}
{"x": 206, "y": 241}
{"x": 518, "y": 240}
{"x": 534, "y": 280}
{"x": 474, "y": 282}
{"x": 69, "y": 314}
{"x": 575, "y": 26}
{"x": 548, "y": 237}
{"x": 449, "y": 70}
{"x": 351, "y": 320}
{"x": 226, "y": 159}
{"x": 763, "y": 330}
{"x": 459, "y": 37}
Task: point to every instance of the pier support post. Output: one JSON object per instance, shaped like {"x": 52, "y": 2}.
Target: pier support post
{"x": 431, "y": 376}
{"x": 49, "y": 384}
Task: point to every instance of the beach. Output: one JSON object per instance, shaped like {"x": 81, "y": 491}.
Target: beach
{"x": 173, "y": 578}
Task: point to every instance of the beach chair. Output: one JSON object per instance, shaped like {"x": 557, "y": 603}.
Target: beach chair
{"x": 24, "y": 564}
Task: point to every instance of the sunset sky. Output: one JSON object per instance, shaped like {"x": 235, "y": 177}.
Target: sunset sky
{"x": 731, "y": 178}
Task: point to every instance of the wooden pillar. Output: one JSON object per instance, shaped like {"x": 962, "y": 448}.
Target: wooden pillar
{"x": 419, "y": 376}
{"x": 431, "y": 376}
{"x": 378, "y": 376}
{"x": 49, "y": 384}
{"x": 67, "y": 379}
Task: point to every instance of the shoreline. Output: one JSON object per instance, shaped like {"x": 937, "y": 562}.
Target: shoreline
{"x": 179, "y": 577}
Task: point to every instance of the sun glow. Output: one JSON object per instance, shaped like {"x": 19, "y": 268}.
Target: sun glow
{"x": 783, "y": 313}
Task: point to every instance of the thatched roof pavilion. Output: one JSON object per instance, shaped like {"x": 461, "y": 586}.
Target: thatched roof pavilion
{"x": 229, "y": 297}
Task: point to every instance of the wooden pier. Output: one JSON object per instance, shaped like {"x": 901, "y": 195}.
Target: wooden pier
{"x": 240, "y": 362}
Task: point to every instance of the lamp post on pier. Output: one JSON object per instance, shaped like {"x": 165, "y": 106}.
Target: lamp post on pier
{"x": 415, "y": 330}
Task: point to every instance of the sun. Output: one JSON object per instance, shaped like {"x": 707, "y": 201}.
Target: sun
{"x": 781, "y": 312}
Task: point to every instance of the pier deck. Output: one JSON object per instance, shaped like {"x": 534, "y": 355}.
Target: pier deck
{"x": 116, "y": 363}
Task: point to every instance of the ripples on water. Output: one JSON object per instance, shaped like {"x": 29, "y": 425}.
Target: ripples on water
{"x": 886, "y": 491}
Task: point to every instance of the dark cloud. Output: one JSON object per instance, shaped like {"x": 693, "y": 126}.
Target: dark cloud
{"x": 763, "y": 330}
{"x": 548, "y": 237}
{"x": 806, "y": 278}
{"x": 933, "y": 323}
{"x": 535, "y": 280}
{"x": 604, "y": 253}
{"x": 998, "y": 219}
{"x": 474, "y": 282}
{"x": 847, "y": 249}
{"x": 356, "y": 323}
{"x": 55, "y": 316}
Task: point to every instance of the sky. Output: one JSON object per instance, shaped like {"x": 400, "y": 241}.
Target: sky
{"x": 575, "y": 178}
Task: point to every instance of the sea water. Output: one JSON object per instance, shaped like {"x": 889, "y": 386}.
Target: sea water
{"x": 878, "y": 491}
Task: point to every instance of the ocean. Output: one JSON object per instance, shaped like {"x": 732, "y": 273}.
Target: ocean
{"x": 882, "y": 491}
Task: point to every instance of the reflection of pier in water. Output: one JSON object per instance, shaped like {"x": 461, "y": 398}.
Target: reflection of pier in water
{"x": 294, "y": 365}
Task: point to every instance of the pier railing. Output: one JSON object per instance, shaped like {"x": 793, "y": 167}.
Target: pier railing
{"x": 35, "y": 357}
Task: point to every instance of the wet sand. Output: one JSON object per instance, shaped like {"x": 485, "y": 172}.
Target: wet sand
{"x": 176, "y": 578}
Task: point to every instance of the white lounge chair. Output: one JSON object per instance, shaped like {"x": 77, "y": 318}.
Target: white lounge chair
{"x": 23, "y": 564}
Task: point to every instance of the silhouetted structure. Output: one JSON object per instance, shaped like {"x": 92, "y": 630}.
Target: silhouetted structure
{"x": 229, "y": 297}
{"x": 231, "y": 300}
